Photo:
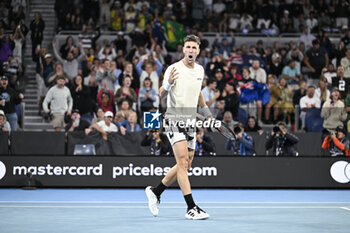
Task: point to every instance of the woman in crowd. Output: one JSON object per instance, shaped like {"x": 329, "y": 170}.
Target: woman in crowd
{"x": 125, "y": 93}
{"x": 253, "y": 126}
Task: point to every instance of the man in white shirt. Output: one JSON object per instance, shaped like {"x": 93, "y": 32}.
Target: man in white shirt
{"x": 106, "y": 126}
{"x": 307, "y": 102}
{"x": 210, "y": 95}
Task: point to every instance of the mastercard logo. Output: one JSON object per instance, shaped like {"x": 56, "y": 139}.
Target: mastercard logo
{"x": 340, "y": 172}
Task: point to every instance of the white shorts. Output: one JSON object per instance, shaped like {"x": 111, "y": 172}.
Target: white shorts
{"x": 175, "y": 137}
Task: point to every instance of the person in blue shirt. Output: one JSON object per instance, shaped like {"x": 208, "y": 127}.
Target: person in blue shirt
{"x": 244, "y": 143}
{"x": 129, "y": 125}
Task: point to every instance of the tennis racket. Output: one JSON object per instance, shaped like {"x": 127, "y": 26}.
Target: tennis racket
{"x": 224, "y": 129}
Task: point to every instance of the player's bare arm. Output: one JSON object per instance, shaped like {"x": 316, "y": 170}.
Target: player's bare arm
{"x": 172, "y": 77}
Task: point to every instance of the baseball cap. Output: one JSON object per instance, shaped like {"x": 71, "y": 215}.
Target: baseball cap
{"x": 216, "y": 54}
{"x": 2, "y": 113}
{"x": 120, "y": 33}
{"x": 147, "y": 78}
{"x": 286, "y": 11}
{"x": 218, "y": 70}
{"x": 224, "y": 38}
{"x": 275, "y": 55}
{"x": 48, "y": 56}
{"x": 108, "y": 114}
{"x": 75, "y": 111}
{"x": 3, "y": 77}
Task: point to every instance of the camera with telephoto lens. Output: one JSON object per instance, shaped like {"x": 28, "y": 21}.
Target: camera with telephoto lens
{"x": 277, "y": 131}
{"x": 328, "y": 132}
{"x": 237, "y": 130}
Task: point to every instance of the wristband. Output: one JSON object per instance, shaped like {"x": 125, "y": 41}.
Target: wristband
{"x": 206, "y": 112}
{"x": 167, "y": 86}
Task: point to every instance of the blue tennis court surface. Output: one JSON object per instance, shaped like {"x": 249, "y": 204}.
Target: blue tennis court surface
{"x": 125, "y": 210}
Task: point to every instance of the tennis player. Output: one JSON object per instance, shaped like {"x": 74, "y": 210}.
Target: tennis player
{"x": 182, "y": 83}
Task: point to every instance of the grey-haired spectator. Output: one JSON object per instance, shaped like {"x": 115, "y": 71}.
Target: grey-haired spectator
{"x": 61, "y": 102}
{"x": 9, "y": 98}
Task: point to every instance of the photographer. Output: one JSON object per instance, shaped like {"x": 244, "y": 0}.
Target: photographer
{"x": 204, "y": 144}
{"x": 337, "y": 142}
{"x": 282, "y": 142}
{"x": 243, "y": 144}
{"x": 158, "y": 142}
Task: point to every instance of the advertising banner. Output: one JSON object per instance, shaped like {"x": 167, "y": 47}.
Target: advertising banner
{"x": 206, "y": 172}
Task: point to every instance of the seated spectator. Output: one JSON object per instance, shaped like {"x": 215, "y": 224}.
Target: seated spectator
{"x": 129, "y": 125}
{"x": 259, "y": 75}
{"x": 333, "y": 111}
{"x": 4, "y": 125}
{"x": 147, "y": 96}
{"x": 106, "y": 126}
{"x": 322, "y": 93}
{"x": 158, "y": 142}
{"x": 105, "y": 76}
{"x": 76, "y": 123}
{"x": 243, "y": 144}
{"x": 204, "y": 144}
{"x": 98, "y": 116}
{"x": 307, "y": 102}
{"x": 105, "y": 100}
{"x": 123, "y": 112}
{"x": 228, "y": 120}
{"x": 125, "y": 93}
{"x": 292, "y": 74}
{"x": 60, "y": 101}
{"x": 9, "y": 98}
{"x": 275, "y": 94}
{"x": 286, "y": 100}
{"x": 276, "y": 65}
{"x": 253, "y": 126}
{"x": 233, "y": 75}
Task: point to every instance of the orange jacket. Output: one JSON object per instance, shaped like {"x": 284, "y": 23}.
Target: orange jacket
{"x": 337, "y": 143}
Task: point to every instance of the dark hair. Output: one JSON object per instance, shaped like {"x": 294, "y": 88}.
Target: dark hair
{"x": 211, "y": 80}
{"x": 192, "y": 38}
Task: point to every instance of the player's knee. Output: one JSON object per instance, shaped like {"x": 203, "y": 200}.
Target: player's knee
{"x": 184, "y": 164}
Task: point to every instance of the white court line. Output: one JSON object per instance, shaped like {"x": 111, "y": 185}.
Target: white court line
{"x": 344, "y": 208}
{"x": 170, "y": 202}
{"x": 169, "y": 207}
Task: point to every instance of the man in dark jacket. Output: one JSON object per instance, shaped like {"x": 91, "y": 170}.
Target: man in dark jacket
{"x": 282, "y": 142}
{"x": 243, "y": 145}
{"x": 37, "y": 27}
{"x": 205, "y": 144}
{"x": 158, "y": 142}
{"x": 9, "y": 98}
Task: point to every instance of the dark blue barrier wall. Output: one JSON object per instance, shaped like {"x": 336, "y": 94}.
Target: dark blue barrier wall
{"x": 4, "y": 140}
{"x": 36, "y": 143}
{"x": 209, "y": 172}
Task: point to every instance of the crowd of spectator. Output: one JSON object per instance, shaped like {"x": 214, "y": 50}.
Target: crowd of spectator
{"x": 256, "y": 85}
{"x": 267, "y": 16}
